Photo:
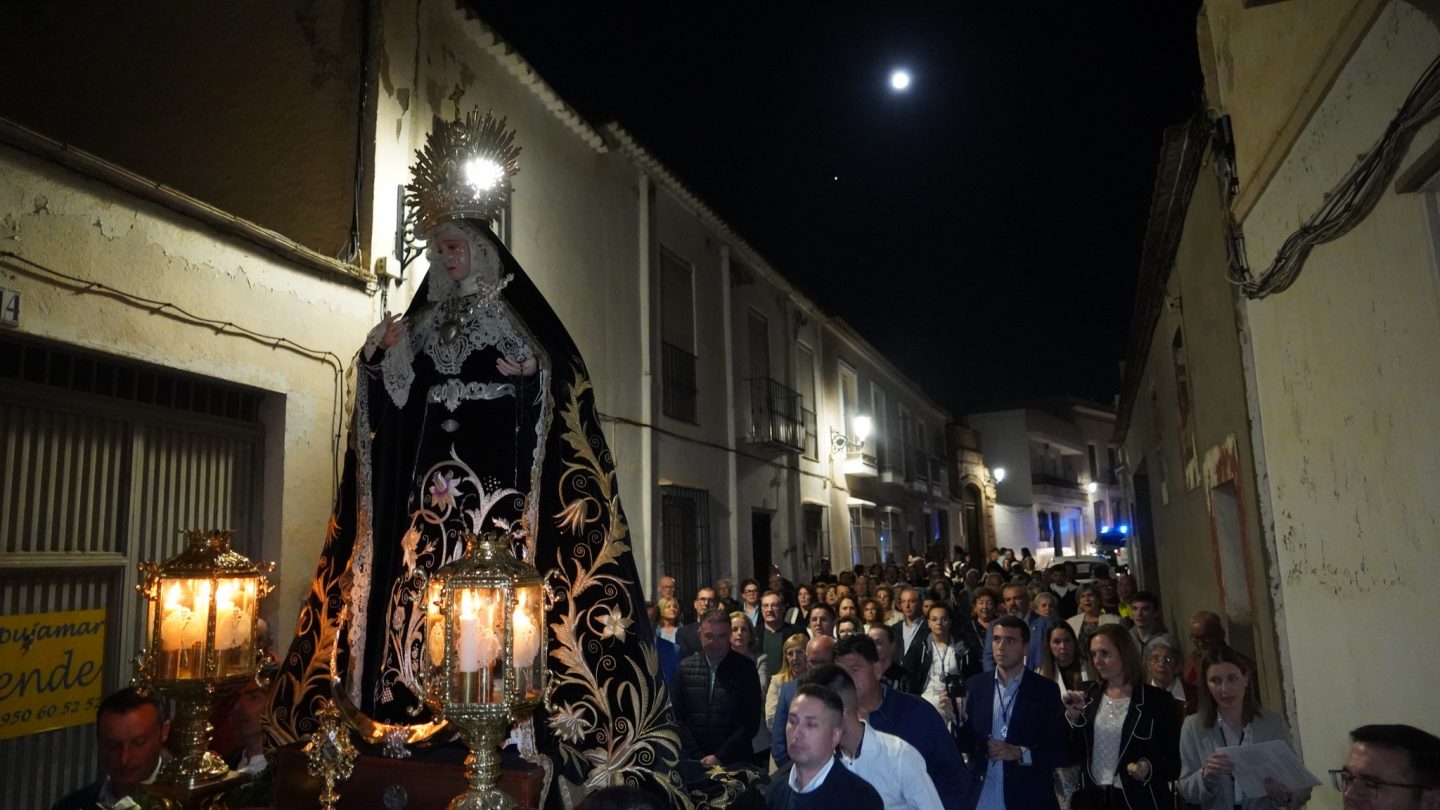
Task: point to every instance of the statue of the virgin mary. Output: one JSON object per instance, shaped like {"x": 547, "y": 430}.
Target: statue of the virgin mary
{"x": 474, "y": 412}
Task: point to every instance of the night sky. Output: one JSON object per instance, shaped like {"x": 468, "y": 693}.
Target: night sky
{"x": 984, "y": 231}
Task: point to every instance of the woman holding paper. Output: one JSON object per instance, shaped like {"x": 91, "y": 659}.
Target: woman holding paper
{"x": 1228, "y": 715}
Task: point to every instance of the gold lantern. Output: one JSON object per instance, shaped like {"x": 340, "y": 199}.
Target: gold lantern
{"x": 200, "y": 641}
{"x": 485, "y": 645}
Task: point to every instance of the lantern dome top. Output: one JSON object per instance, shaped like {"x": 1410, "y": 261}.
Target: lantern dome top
{"x": 488, "y": 560}
{"x": 207, "y": 553}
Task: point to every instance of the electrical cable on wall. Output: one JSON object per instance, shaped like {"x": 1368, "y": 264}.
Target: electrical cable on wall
{"x": 1354, "y": 197}
{"x": 222, "y": 327}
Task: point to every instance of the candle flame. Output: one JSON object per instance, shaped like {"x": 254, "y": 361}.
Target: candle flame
{"x": 225, "y": 596}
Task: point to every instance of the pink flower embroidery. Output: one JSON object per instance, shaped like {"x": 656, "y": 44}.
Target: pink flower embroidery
{"x": 443, "y": 491}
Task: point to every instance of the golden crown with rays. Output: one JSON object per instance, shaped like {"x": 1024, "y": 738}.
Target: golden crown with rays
{"x": 463, "y": 171}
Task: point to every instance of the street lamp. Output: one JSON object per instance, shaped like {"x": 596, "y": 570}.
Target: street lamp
{"x": 860, "y": 427}
{"x": 999, "y": 473}
{"x": 1092, "y": 487}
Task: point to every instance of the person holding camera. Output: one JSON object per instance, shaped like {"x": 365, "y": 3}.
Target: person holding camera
{"x": 941, "y": 660}
{"x": 1011, "y": 726}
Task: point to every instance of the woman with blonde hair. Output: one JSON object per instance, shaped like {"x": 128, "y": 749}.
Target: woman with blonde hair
{"x": 794, "y": 666}
{"x": 667, "y": 608}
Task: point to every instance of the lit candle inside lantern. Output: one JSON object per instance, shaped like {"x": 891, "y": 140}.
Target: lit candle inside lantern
{"x": 232, "y": 621}
{"x": 527, "y": 637}
{"x": 435, "y": 632}
{"x": 181, "y": 626}
{"x": 477, "y": 646}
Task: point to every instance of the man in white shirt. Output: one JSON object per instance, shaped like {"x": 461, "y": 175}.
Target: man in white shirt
{"x": 892, "y": 766}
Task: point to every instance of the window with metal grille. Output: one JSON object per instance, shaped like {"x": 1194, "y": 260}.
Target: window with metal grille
{"x": 102, "y": 463}
{"x": 685, "y": 531}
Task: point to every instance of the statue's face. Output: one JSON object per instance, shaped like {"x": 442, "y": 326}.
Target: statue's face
{"x": 454, "y": 255}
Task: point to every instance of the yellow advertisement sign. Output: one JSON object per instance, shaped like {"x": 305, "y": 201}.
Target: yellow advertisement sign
{"x": 51, "y": 667}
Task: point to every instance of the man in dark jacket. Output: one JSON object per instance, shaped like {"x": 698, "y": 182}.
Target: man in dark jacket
{"x": 131, "y": 729}
{"x": 717, "y": 697}
{"x": 688, "y": 636}
{"x": 815, "y": 777}
{"x": 1013, "y": 728}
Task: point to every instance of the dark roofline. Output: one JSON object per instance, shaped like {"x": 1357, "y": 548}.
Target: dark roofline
{"x": 1182, "y": 152}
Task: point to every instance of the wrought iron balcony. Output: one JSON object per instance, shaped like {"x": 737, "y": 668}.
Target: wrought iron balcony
{"x": 777, "y": 422}
{"x": 1047, "y": 480}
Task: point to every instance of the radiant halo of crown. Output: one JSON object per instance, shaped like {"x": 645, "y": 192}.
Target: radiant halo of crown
{"x": 463, "y": 171}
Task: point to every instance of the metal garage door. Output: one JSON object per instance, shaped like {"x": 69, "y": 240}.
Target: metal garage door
{"x": 102, "y": 463}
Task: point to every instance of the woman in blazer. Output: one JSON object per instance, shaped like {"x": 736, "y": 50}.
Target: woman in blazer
{"x": 1125, "y": 734}
{"x": 1228, "y": 714}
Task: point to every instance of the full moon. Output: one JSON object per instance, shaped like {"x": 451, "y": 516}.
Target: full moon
{"x": 900, "y": 80}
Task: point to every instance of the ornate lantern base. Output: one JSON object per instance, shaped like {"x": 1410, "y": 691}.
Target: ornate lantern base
{"x": 193, "y": 764}
{"x": 483, "y": 736}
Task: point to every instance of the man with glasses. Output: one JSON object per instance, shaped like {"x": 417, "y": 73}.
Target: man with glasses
{"x": 688, "y": 636}
{"x": 1391, "y": 767}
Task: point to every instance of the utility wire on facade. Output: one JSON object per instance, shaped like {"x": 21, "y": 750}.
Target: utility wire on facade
{"x": 222, "y": 327}
{"x": 1354, "y": 197}
{"x": 623, "y": 420}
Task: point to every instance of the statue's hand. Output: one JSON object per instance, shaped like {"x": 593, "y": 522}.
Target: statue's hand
{"x": 394, "y": 328}
{"x": 524, "y": 368}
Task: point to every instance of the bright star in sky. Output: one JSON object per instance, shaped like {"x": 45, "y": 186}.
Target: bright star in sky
{"x": 900, "y": 80}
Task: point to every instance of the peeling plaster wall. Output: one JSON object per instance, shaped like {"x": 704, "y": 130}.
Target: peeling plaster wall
{"x": 251, "y": 107}
{"x": 1274, "y": 60}
{"x": 1185, "y": 540}
{"x": 87, "y": 229}
{"x": 1346, "y": 386}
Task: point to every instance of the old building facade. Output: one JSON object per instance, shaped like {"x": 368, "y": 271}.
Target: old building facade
{"x": 1279, "y": 412}
{"x": 185, "y": 330}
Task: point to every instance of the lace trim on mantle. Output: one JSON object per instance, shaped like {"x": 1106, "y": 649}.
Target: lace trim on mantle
{"x": 483, "y": 320}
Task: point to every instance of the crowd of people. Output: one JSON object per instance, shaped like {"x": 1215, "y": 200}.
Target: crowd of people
{"x": 989, "y": 686}
{"x": 929, "y": 687}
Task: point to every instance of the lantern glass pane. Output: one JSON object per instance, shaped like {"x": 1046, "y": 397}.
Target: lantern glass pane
{"x": 184, "y": 616}
{"x": 478, "y": 625}
{"x": 528, "y": 624}
{"x": 235, "y": 599}
{"x": 435, "y": 623}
